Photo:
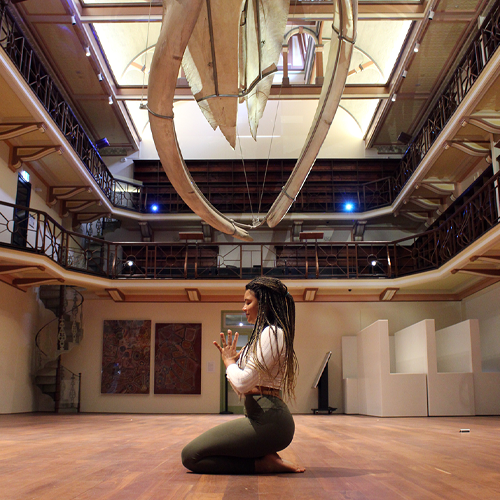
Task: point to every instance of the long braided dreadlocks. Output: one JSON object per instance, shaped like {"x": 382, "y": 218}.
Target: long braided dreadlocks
{"x": 276, "y": 307}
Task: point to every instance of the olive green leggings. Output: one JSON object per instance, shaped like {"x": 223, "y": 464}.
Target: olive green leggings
{"x": 232, "y": 447}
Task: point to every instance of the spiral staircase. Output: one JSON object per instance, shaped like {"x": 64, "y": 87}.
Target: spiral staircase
{"x": 59, "y": 386}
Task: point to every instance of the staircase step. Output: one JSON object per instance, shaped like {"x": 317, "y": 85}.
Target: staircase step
{"x": 69, "y": 409}
{"x": 45, "y": 379}
{"x": 46, "y": 372}
{"x": 49, "y": 389}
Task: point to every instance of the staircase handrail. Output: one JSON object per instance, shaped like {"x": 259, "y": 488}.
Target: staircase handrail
{"x": 74, "y": 307}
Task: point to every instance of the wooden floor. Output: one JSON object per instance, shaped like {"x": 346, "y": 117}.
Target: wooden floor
{"x": 136, "y": 457}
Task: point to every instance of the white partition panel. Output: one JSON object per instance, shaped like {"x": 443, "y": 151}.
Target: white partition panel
{"x": 350, "y": 374}
{"x": 450, "y": 378}
{"x": 380, "y": 392}
{"x": 411, "y": 347}
{"x": 486, "y": 384}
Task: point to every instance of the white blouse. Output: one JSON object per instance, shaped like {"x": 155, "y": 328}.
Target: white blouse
{"x": 271, "y": 353}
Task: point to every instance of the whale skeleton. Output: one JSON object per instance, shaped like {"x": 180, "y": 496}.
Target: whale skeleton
{"x": 229, "y": 50}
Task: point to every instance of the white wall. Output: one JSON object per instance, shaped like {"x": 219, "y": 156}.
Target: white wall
{"x": 484, "y": 306}
{"x": 18, "y": 326}
{"x": 319, "y": 328}
{"x": 281, "y": 134}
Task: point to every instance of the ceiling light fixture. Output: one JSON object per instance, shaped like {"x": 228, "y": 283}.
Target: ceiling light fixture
{"x": 388, "y": 293}
{"x": 417, "y": 47}
{"x": 115, "y": 294}
{"x": 405, "y": 73}
{"x": 110, "y": 100}
{"x": 393, "y": 98}
{"x": 193, "y": 294}
{"x": 100, "y": 77}
{"x": 309, "y": 294}
{"x": 431, "y": 15}
{"x": 87, "y": 51}
{"x": 73, "y": 20}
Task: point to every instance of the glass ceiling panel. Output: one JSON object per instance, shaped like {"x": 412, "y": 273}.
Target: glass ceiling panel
{"x": 129, "y": 49}
{"x": 378, "y": 45}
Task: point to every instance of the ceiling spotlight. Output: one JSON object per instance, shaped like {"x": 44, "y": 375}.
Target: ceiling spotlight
{"x": 87, "y": 51}
{"x": 372, "y": 260}
{"x": 130, "y": 261}
{"x": 73, "y": 20}
{"x": 154, "y": 208}
{"x": 405, "y": 74}
{"x": 417, "y": 47}
{"x": 100, "y": 77}
{"x": 393, "y": 98}
{"x": 102, "y": 143}
{"x": 349, "y": 206}
{"x": 110, "y": 100}
{"x": 431, "y": 15}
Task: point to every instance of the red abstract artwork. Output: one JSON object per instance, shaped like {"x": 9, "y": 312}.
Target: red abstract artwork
{"x": 126, "y": 357}
{"x": 178, "y": 358}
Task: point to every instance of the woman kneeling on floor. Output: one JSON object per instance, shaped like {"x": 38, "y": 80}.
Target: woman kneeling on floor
{"x": 264, "y": 367}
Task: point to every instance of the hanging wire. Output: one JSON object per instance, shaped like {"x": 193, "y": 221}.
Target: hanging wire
{"x": 145, "y": 56}
{"x": 244, "y": 170}
{"x": 270, "y": 146}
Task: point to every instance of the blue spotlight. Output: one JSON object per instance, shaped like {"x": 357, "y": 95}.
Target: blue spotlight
{"x": 349, "y": 206}
{"x": 155, "y": 208}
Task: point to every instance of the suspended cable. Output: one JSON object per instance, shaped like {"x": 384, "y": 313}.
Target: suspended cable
{"x": 145, "y": 56}
{"x": 270, "y": 147}
{"x": 244, "y": 170}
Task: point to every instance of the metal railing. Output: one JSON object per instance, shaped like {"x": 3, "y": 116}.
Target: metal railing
{"x": 20, "y": 52}
{"x": 34, "y": 231}
{"x": 468, "y": 71}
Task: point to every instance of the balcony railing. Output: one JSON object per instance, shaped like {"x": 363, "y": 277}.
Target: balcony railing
{"x": 36, "y": 232}
{"x": 468, "y": 71}
{"x": 20, "y": 52}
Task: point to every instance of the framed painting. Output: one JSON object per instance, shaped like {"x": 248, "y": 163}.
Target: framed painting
{"x": 178, "y": 358}
{"x": 126, "y": 354}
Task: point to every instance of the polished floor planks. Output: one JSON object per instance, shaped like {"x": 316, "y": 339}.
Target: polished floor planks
{"x": 137, "y": 457}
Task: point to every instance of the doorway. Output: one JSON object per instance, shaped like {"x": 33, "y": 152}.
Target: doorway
{"x": 21, "y": 216}
{"x": 235, "y": 321}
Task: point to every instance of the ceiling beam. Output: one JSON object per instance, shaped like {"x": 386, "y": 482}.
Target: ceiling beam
{"x": 277, "y": 92}
{"x": 479, "y": 272}
{"x": 313, "y": 11}
{"x": 7, "y": 269}
{"x": 35, "y": 281}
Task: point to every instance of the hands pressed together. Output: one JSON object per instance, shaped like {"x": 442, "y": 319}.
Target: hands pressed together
{"x": 228, "y": 348}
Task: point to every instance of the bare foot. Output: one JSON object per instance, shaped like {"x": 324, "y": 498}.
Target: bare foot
{"x": 273, "y": 463}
